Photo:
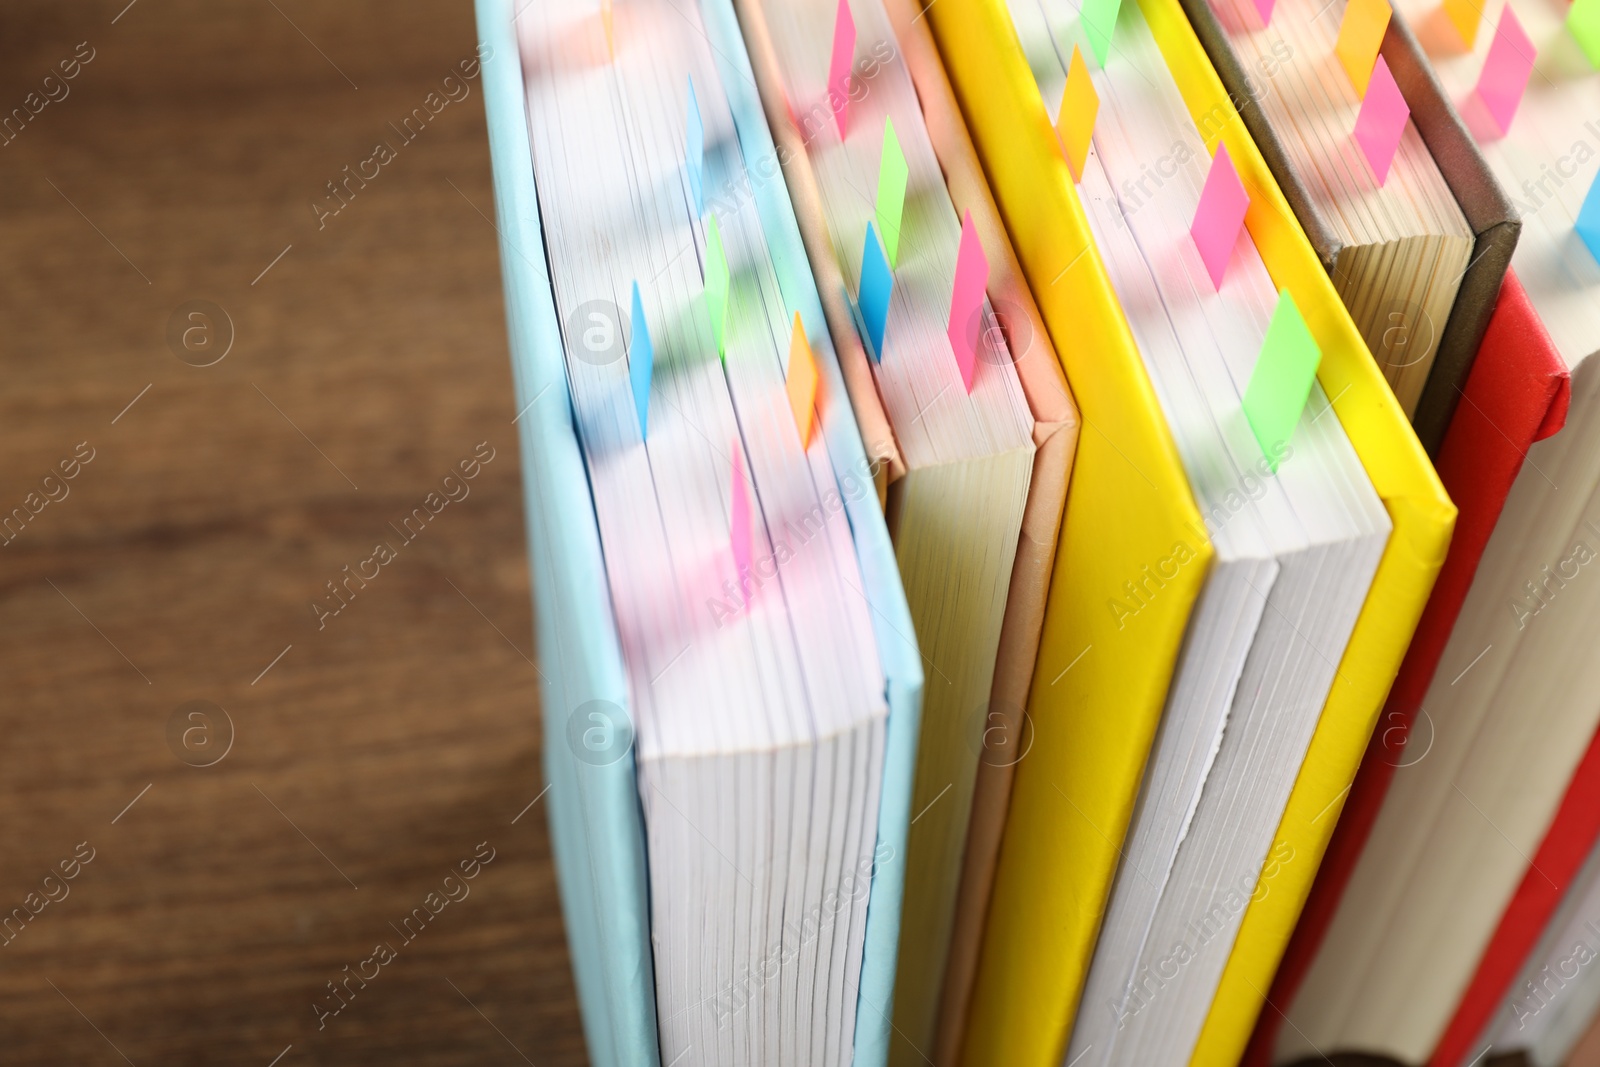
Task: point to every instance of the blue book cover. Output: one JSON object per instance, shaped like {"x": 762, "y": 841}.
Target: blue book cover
{"x": 597, "y": 827}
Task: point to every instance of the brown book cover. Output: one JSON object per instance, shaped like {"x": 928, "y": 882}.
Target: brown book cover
{"x": 1488, "y": 210}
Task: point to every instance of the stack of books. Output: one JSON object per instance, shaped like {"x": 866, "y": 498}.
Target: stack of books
{"x": 1040, "y": 550}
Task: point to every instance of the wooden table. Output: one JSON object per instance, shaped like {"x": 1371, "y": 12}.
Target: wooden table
{"x": 370, "y": 754}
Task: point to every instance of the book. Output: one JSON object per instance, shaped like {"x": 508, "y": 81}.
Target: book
{"x": 1511, "y": 732}
{"x": 968, "y": 445}
{"x": 1296, "y": 524}
{"x": 1516, "y": 394}
{"x": 1039, "y": 940}
{"x": 1421, "y": 297}
{"x": 622, "y": 757}
{"x": 1007, "y": 733}
{"x": 1100, "y": 681}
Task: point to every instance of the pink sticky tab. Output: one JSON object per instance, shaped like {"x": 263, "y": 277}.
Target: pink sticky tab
{"x": 1264, "y": 9}
{"x": 1223, "y": 203}
{"x": 844, "y": 54}
{"x": 1505, "y": 72}
{"x": 739, "y": 521}
{"x": 1381, "y": 121}
{"x": 966, "y": 301}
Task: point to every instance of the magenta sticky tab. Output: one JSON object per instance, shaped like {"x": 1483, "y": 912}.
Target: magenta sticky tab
{"x": 1505, "y": 73}
{"x": 966, "y": 301}
{"x": 1223, "y": 203}
{"x": 1381, "y": 121}
{"x": 1264, "y": 9}
{"x": 739, "y": 518}
{"x": 844, "y": 54}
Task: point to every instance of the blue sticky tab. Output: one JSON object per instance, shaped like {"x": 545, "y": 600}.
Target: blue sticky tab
{"x": 695, "y": 152}
{"x": 1588, "y": 224}
{"x": 877, "y": 284}
{"x": 641, "y": 362}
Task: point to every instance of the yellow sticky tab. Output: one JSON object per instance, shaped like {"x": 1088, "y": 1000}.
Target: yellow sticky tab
{"x": 802, "y": 382}
{"x": 1465, "y": 15}
{"x": 1360, "y": 36}
{"x": 1079, "y": 106}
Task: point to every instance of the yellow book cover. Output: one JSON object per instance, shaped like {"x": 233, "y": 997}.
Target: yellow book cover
{"x": 1052, "y": 884}
{"x": 1100, "y": 681}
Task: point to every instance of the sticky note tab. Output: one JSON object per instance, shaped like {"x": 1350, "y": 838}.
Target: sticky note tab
{"x": 1220, "y": 213}
{"x": 1282, "y": 379}
{"x": 1360, "y": 36}
{"x": 1264, "y": 9}
{"x": 1465, "y": 15}
{"x": 877, "y": 285}
{"x": 801, "y": 383}
{"x": 1381, "y": 121}
{"x": 641, "y": 362}
{"x": 694, "y": 153}
{"x": 1506, "y": 70}
{"x": 892, "y": 175}
{"x": 1098, "y": 19}
{"x": 608, "y": 22}
{"x": 1079, "y": 106}
{"x": 717, "y": 287}
{"x": 1583, "y": 22}
{"x": 1588, "y": 224}
{"x": 739, "y": 518}
{"x": 844, "y": 54}
{"x": 966, "y": 301}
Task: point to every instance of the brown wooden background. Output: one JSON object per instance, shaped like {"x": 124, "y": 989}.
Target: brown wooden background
{"x": 377, "y": 752}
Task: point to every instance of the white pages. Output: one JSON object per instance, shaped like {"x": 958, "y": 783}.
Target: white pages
{"x": 956, "y": 514}
{"x": 757, "y": 697}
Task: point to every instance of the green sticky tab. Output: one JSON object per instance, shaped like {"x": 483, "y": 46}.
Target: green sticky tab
{"x": 1282, "y": 379}
{"x": 717, "y": 286}
{"x": 1583, "y": 22}
{"x": 1098, "y": 18}
{"x": 892, "y": 175}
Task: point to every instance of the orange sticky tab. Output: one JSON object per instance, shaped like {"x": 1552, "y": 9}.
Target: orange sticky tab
{"x": 1079, "y": 106}
{"x": 1360, "y": 36}
{"x": 1465, "y": 15}
{"x": 802, "y": 382}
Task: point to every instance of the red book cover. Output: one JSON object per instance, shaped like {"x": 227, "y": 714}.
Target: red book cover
{"x": 1516, "y": 394}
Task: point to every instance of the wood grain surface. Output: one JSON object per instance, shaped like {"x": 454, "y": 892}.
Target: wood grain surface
{"x": 352, "y": 766}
